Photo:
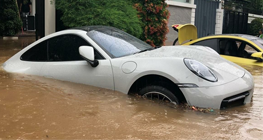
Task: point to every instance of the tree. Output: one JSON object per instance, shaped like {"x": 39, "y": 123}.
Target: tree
{"x": 10, "y": 22}
{"x": 154, "y": 16}
{"x": 255, "y": 25}
{"x": 249, "y": 6}
{"x": 116, "y": 13}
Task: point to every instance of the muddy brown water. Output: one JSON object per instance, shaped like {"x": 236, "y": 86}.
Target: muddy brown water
{"x": 34, "y": 107}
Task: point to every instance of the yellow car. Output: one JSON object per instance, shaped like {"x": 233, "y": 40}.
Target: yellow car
{"x": 238, "y": 48}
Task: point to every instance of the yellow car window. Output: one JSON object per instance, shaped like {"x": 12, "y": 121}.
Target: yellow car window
{"x": 250, "y": 49}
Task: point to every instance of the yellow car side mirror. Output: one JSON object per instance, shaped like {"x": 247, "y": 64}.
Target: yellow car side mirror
{"x": 257, "y": 55}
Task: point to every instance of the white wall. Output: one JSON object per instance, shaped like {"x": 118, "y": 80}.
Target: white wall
{"x": 33, "y": 7}
{"x": 219, "y": 21}
{"x": 253, "y": 16}
{"x": 50, "y": 17}
{"x": 181, "y": 4}
{"x": 189, "y": 5}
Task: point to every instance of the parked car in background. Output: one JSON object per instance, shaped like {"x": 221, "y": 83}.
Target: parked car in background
{"x": 238, "y": 48}
{"x": 109, "y": 58}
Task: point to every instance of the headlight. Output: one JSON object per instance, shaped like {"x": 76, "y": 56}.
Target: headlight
{"x": 200, "y": 70}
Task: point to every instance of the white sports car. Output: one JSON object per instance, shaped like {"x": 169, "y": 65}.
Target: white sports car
{"x": 110, "y": 58}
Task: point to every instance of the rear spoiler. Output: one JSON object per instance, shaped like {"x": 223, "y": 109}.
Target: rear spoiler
{"x": 185, "y": 32}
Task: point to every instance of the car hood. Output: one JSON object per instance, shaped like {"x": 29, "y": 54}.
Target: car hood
{"x": 200, "y": 53}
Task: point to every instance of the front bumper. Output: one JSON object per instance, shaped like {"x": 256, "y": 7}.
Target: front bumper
{"x": 221, "y": 96}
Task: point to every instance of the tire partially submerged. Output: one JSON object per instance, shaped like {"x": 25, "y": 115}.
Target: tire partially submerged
{"x": 158, "y": 93}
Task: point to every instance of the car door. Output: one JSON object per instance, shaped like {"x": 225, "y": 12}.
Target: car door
{"x": 243, "y": 55}
{"x": 65, "y": 63}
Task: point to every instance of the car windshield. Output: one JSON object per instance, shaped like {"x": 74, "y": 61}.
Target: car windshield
{"x": 117, "y": 43}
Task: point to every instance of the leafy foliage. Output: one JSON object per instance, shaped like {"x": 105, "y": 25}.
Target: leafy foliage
{"x": 10, "y": 22}
{"x": 154, "y": 16}
{"x": 116, "y": 13}
{"x": 255, "y": 26}
{"x": 250, "y": 6}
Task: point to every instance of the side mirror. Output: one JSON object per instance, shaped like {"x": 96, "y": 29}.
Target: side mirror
{"x": 87, "y": 52}
{"x": 258, "y": 56}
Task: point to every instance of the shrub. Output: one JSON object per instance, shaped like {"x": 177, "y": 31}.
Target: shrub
{"x": 10, "y": 22}
{"x": 255, "y": 25}
{"x": 154, "y": 16}
{"x": 116, "y": 13}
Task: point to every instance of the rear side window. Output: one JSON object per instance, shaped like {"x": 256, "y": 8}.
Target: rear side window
{"x": 36, "y": 53}
{"x": 60, "y": 48}
{"x": 212, "y": 43}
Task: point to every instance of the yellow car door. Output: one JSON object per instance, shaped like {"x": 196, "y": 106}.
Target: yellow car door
{"x": 244, "y": 61}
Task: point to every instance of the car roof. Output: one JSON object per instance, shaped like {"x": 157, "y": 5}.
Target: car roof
{"x": 96, "y": 27}
{"x": 249, "y": 37}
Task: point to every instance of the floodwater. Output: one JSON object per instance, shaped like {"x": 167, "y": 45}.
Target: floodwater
{"x": 34, "y": 107}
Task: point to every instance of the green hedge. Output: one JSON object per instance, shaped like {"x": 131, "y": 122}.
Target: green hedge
{"x": 154, "y": 16}
{"x": 116, "y": 13}
{"x": 10, "y": 22}
{"x": 255, "y": 25}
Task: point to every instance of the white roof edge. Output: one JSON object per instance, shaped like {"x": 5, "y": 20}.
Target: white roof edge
{"x": 180, "y": 4}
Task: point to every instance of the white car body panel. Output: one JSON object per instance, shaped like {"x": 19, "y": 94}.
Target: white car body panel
{"x": 80, "y": 72}
{"x": 213, "y": 95}
{"x": 119, "y": 74}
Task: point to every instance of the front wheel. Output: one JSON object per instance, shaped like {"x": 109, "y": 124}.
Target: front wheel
{"x": 158, "y": 93}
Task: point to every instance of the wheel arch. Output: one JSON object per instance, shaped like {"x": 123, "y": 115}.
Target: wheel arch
{"x": 155, "y": 79}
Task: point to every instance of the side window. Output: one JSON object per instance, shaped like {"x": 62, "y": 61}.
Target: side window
{"x": 36, "y": 53}
{"x": 212, "y": 43}
{"x": 66, "y": 48}
{"x": 246, "y": 50}
{"x": 60, "y": 48}
{"x": 229, "y": 46}
{"x": 236, "y": 48}
{"x": 250, "y": 49}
